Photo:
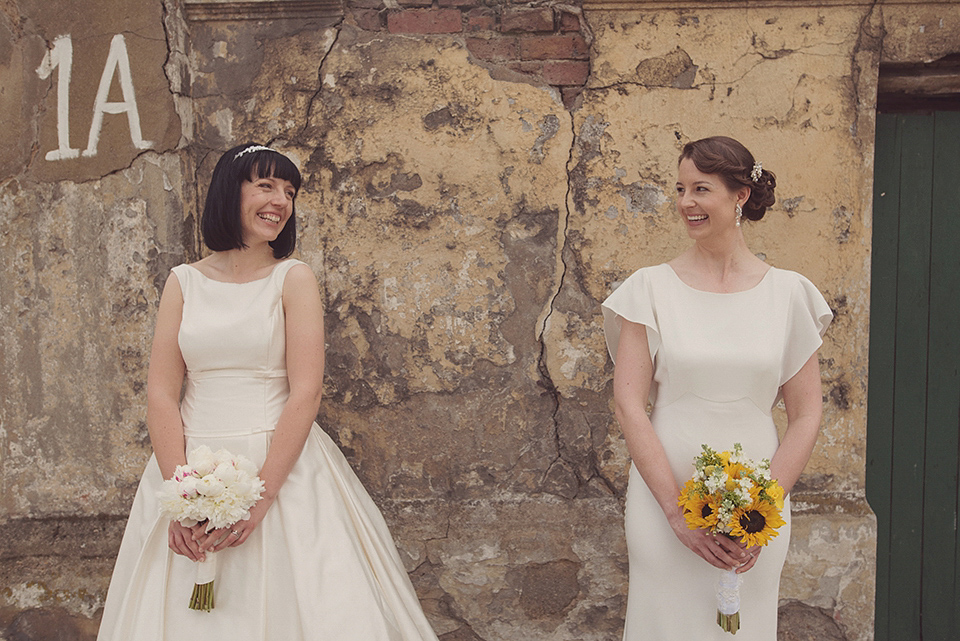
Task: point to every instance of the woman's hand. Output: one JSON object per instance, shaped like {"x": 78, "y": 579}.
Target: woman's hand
{"x": 181, "y": 540}
{"x": 719, "y": 551}
{"x": 752, "y": 555}
{"x": 238, "y": 533}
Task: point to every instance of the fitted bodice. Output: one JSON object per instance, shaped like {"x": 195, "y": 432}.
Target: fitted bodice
{"x": 232, "y": 338}
{"x": 720, "y": 348}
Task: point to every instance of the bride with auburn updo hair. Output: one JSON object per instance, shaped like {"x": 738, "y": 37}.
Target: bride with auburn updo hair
{"x": 712, "y": 339}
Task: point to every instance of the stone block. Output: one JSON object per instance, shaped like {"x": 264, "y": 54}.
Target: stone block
{"x": 369, "y": 19}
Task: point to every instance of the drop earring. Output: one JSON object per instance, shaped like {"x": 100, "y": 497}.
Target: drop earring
{"x": 739, "y": 211}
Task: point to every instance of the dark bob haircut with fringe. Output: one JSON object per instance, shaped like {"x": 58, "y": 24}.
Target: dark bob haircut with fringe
{"x": 220, "y": 224}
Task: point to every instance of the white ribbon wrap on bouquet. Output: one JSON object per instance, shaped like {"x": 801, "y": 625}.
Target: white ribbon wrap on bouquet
{"x": 207, "y": 570}
{"x": 728, "y": 592}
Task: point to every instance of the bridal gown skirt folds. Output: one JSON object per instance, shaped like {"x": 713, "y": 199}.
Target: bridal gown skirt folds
{"x": 719, "y": 361}
{"x": 321, "y": 566}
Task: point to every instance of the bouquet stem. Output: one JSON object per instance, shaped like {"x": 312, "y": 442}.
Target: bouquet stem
{"x": 729, "y": 622}
{"x": 202, "y": 596}
{"x": 728, "y": 601}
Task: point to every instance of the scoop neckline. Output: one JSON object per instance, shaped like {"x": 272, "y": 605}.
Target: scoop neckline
{"x": 246, "y": 282}
{"x": 760, "y": 282}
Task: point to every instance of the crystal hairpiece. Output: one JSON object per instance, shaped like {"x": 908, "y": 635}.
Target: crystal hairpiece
{"x": 254, "y": 148}
{"x": 755, "y": 173}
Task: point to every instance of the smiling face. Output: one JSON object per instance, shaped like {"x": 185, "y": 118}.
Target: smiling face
{"x": 706, "y": 205}
{"x": 266, "y": 205}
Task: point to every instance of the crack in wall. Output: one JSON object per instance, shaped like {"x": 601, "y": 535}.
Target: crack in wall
{"x": 543, "y": 369}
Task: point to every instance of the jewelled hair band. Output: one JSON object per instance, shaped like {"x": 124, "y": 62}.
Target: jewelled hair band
{"x": 755, "y": 173}
{"x": 254, "y": 148}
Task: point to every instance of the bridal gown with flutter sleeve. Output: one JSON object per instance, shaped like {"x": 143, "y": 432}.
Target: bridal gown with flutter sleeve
{"x": 719, "y": 362}
{"x": 322, "y": 565}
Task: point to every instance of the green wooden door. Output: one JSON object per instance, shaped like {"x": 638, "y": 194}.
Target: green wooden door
{"x": 913, "y": 450}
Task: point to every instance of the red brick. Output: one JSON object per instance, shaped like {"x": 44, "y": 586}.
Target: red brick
{"x": 424, "y": 21}
{"x": 570, "y": 95}
{"x": 530, "y": 20}
{"x": 527, "y": 67}
{"x": 368, "y": 19}
{"x": 569, "y": 22}
{"x": 481, "y": 20}
{"x": 572, "y": 47}
{"x": 566, "y": 72}
{"x": 493, "y": 48}
{"x": 457, "y": 3}
{"x": 365, "y": 4}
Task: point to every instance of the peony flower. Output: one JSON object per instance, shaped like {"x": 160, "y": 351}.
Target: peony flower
{"x": 210, "y": 485}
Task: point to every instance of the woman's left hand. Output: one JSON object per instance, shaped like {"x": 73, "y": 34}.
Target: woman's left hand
{"x": 236, "y": 534}
{"x": 752, "y": 555}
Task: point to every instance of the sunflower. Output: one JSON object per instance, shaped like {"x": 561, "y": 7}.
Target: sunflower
{"x": 735, "y": 472}
{"x": 700, "y": 511}
{"x": 756, "y": 523}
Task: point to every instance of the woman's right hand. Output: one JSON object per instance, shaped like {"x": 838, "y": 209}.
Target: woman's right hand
{"x": 719, "y": 551}
{"x": 180, "y": 540}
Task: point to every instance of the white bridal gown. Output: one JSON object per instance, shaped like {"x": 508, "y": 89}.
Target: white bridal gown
{"x": 322, "y": 565}
{"x": 719, "y": 361}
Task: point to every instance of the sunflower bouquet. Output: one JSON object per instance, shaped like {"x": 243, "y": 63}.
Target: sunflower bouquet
{"x": 732, "y": 495}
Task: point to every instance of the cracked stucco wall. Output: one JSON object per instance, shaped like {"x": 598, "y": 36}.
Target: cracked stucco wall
{"x": 464, "y": 218}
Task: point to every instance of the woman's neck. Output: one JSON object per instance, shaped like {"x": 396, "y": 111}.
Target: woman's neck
{"x": 242, "y": 265}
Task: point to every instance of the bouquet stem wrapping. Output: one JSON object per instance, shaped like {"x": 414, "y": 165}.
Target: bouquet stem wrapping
{"x": 202, "y": 596}
{"x": 728, "y": 601}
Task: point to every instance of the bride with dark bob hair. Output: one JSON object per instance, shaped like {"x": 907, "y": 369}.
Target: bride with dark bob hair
{"x": 237, "y": 364}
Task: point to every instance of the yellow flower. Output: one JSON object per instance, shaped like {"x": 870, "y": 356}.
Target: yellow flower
{"x": 700, "y": 511}
{"x": 689, "y": 488}
{"x": 776, "y": 493}
{"x": 756, "y": 524}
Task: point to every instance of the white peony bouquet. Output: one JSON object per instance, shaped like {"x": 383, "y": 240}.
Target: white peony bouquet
{"x": 216, "y": 488}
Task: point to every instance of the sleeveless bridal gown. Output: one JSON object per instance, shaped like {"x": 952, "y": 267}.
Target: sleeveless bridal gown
{"x": 321, "y": 566}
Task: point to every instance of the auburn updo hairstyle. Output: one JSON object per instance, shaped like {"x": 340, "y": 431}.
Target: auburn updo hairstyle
{"x": 733, "y": 163}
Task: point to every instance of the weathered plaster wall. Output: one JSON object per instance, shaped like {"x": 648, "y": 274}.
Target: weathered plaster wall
{"x": 478, "y": 178}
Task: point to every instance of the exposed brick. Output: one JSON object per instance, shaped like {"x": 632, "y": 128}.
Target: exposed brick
{"x": 496, "y": 48}
{"x": 569, "y": 22}
{"x": 369, "y": 19}
{"x": 424, "y": 21}
{"x": 365, "y": 4}
{"x": 415, "y": 3}
{"x": 457, "y": 3}
{"x": 530, "y": 20}
{"x": 570, "y": 95}
{"x": 481, "y": 20}
{"x": 570, "y": 47}
{"x": 566, "y": 72}
{"x": 527, "y": 67}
